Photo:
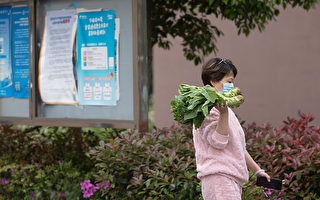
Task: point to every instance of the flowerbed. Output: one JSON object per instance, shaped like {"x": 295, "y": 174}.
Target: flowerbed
{"x": 290, "y": 152}
{"x": 74, "y": 163}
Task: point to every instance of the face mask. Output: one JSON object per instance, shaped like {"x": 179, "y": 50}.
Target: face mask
{"x": 227, "y": 87}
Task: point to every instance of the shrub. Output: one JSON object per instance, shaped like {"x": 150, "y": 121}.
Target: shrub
{"x": 251, "y": 192}
{"x": 44, "y": 162}
{"x": 291, "y": 152}
{"x": 46, "y": 145}
{"x": 74, "y": 163}
{"x": 157, "y": 165}
{"x": 55, "y": 181}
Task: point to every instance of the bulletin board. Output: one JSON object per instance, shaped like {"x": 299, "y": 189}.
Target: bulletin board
{"x": 14, "y": 57}
{"x": 106, "y": 95}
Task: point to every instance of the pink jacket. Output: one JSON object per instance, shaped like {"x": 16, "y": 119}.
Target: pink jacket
{"x": 219, "y": 154}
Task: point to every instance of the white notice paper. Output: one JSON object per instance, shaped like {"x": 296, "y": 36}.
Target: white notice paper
{"x": 56, "y": 78}
{"x": 94, "y": 58}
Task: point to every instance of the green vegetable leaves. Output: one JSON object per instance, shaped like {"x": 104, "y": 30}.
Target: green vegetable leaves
{"x": 194, "y": 103}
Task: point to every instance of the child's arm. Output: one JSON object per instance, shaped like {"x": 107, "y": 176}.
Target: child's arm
{"x": 254, "y": 167}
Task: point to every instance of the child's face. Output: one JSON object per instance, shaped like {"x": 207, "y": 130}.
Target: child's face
{"x": 228, "y": 78}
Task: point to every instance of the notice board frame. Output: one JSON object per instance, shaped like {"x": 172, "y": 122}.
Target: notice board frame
{"x": 139, "y": 83}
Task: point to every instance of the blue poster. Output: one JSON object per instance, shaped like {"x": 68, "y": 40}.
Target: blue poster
{"x": 96, "y": 58}
{"x": 20, "y": 51}
{"x": 5, "y": 52}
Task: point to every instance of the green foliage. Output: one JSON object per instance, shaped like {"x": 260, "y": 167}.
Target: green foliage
{"x": 55, "y": 143}
{"x": 194, "y": 103}
{"x": 50, "y": 163}
{"x": 44, "y": 163}
{"x": 189, "y": 20}
{"x": 55, "y": 181}
{"x": 252, "y": 192}
{"x": 157, "y": 165}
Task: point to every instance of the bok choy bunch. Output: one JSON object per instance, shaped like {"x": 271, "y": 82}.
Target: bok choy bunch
{"x": 194, "y": 103}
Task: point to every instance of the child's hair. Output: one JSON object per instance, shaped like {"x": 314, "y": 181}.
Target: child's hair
{"x": 215, "y": 69}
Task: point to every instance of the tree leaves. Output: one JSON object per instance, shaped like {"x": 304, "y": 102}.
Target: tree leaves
{"x": 189, "y": 20}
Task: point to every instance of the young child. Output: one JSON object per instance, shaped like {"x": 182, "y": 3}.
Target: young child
{"x": 221, "y": 155}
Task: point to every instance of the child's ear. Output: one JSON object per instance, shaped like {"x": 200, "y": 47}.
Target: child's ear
{"x": 212, "y": 83}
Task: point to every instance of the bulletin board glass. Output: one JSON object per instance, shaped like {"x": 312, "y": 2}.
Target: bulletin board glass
{"x": 14, "y": 60}
{"x": 123, "y": 107}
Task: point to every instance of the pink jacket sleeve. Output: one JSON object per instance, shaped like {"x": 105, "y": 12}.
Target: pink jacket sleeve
{"x": 208, "y": 131}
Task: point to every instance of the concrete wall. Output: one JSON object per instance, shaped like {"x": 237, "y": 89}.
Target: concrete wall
{"x": 278, "y": 69}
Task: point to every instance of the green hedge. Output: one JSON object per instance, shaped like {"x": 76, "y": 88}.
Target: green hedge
{"x": 157, "y": 165}
{"x": 52, "y": 162}
{"x": 43, "y": 162}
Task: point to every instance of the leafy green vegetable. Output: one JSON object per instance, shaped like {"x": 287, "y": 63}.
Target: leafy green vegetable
{"x": 194, "y": 103}
{"x": 232, "y": 93}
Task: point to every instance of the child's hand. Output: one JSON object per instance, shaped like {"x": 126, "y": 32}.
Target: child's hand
{"x": 222, "y": 109}
{"x": 264, "y": 174}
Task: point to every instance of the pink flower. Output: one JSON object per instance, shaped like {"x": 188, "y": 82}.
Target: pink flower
{"x": 5, "y": 181}
{"x": 60, "y": 162}
{"x": 85, "y": 184}
{"x": 25, "y": 173}
{"x": 88, "y": 189}
{"x": 269, "y": 192}
{"x": 52, "y": 194}
{"x": 87, "y": 193}
{"x": 61, "y": 195}
{"x": 32, "y": 196}
{"x": 97, "y": 187}
{"x": 105, "y": 186}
